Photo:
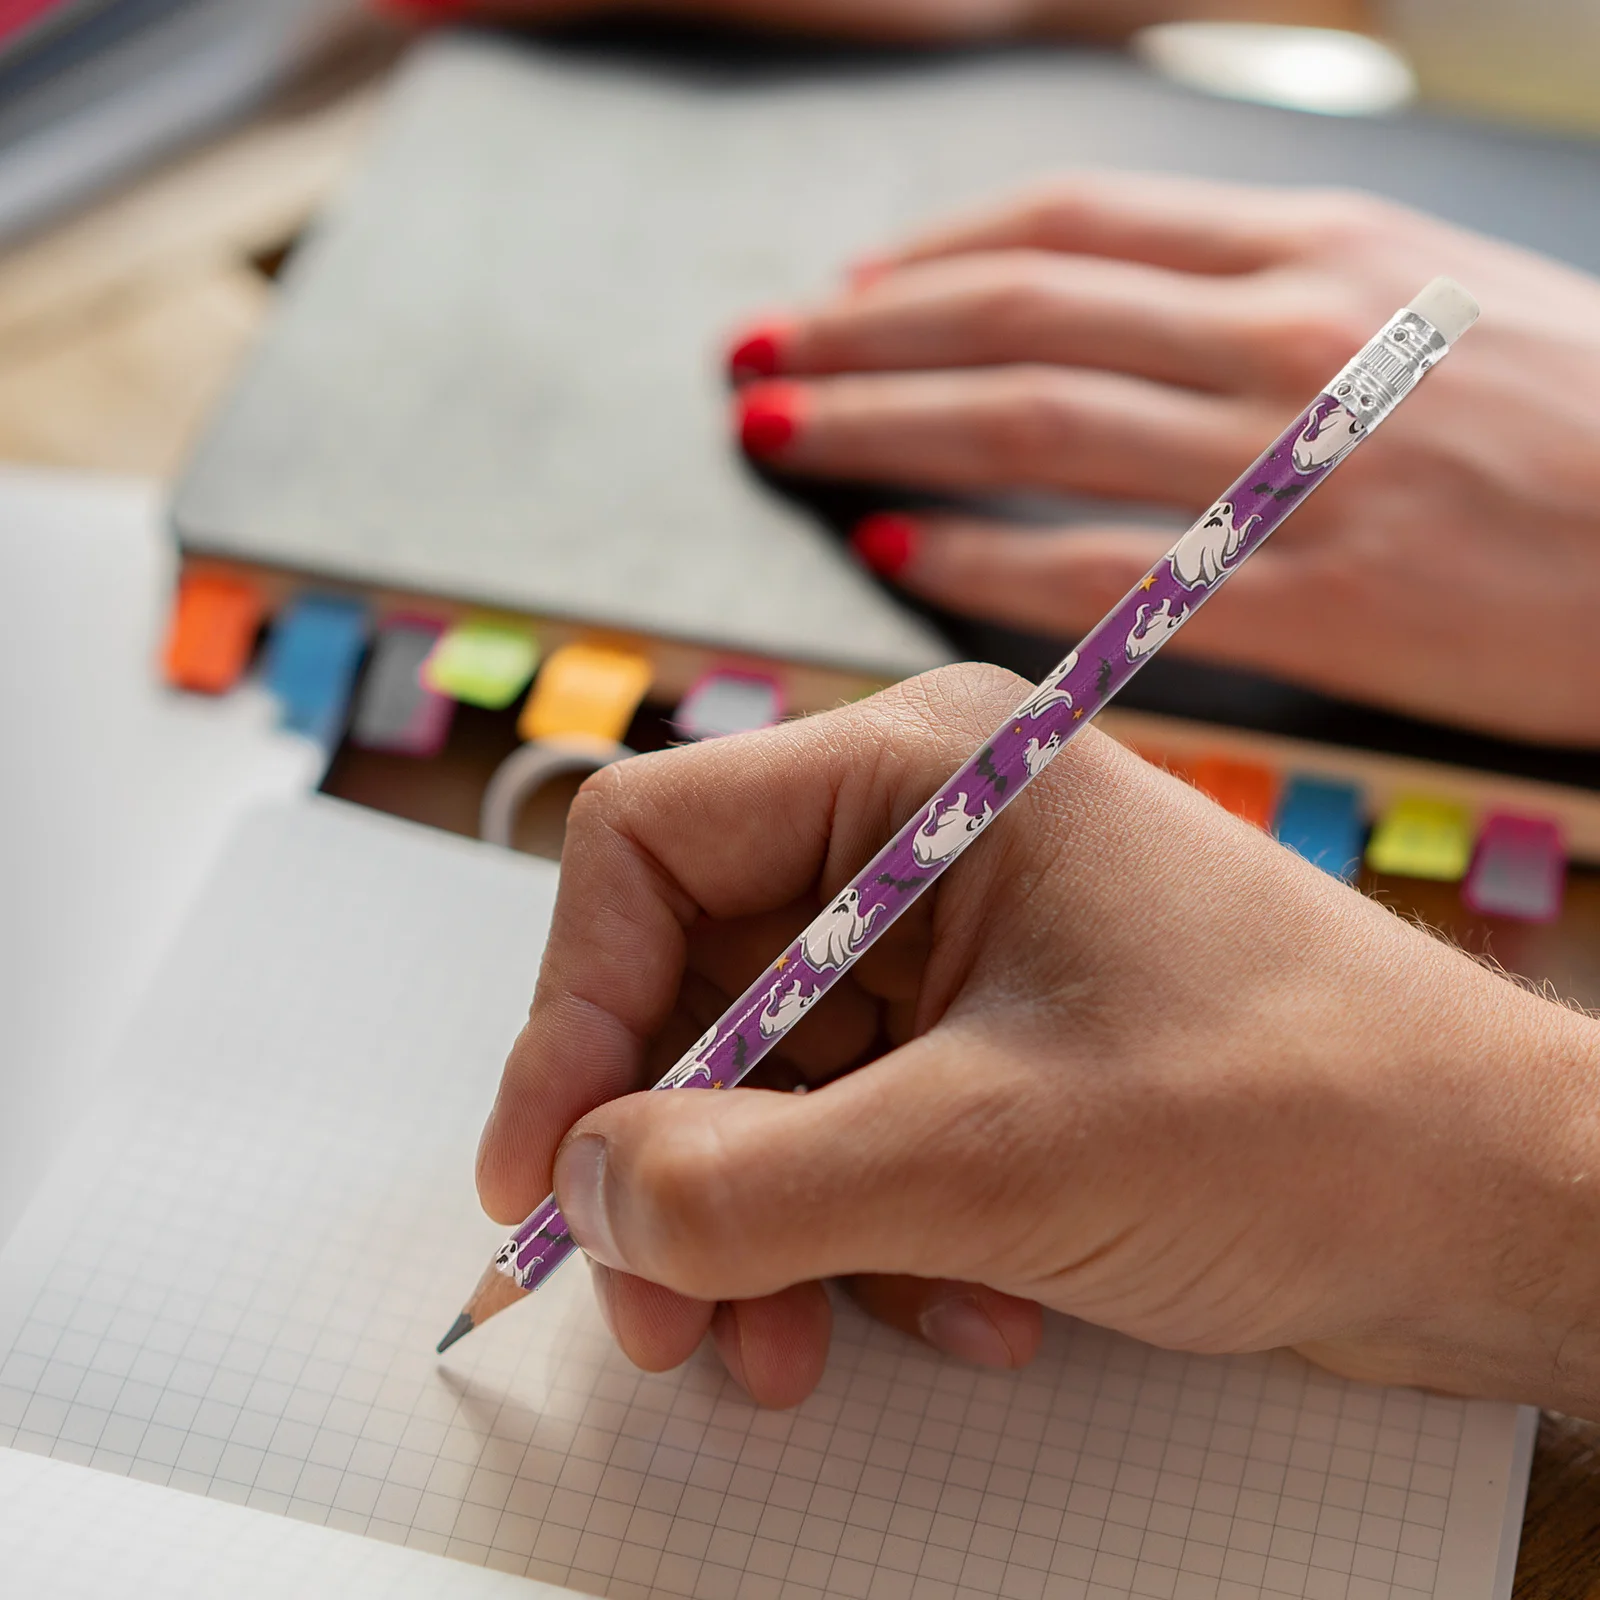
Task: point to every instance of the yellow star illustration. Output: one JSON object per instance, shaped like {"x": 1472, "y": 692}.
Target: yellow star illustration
{"x": 1149, "y": 583}
{"x": 1078, "y": 714}
{"x": 782, "y": 962}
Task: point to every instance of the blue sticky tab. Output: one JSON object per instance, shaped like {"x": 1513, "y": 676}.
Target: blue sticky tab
{"x": 312, "y": 655}
{"x": 1321, "y": 820}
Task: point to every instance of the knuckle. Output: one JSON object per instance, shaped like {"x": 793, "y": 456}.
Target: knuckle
{"x": 1034, "y": 423}
{"x": 962, "y": 700}
{"x": 1311, "y": 341}
{"x": 599, "y": 803}
{"x": 1347, "y": 220}
{"x": 1026, "y": 300}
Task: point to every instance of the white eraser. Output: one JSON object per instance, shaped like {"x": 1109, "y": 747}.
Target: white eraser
{"x": 1448, "y": 306}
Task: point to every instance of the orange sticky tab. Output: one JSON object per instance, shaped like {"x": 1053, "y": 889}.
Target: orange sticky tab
{"x": 1247, "y": 790}
{"x": 213, "y": 630}
{"x": 585, "y": 691}
{"x": 1176, "y": 765}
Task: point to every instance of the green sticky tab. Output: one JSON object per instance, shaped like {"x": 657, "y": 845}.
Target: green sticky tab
{"x": 1422, "y": 838}
{"x": 483, "y": 663}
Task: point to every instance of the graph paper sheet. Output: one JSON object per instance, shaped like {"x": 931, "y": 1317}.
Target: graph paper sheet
{"x": 233, "y": 1283}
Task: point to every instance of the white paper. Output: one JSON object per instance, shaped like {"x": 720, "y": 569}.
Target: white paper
{"x": 233, "y": 1284}
{"x": 117, "y": 793}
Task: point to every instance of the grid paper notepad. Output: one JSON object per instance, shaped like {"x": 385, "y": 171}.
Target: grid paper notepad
{"x": 233, "y": 1282}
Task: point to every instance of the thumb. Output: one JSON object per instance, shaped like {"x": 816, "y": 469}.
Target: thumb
{"x": 739, "y": 1195}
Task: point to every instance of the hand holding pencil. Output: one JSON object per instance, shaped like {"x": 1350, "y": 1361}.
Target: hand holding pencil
{"x": 1134, "y": 1061}
{"x": 1043, "y": 1110}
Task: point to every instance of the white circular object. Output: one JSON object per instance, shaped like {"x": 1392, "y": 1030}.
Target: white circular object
{"x": 1306, "y": 69}
{"x": 527, "y": 769}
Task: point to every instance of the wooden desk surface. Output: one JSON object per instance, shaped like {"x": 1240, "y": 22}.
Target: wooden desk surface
{"x": 119, "y": 329}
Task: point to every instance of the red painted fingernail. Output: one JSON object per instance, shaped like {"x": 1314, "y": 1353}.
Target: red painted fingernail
{"x": 886, "y": 542}
{"x": 758, "y": 351}
{"x": 769, "y": 417}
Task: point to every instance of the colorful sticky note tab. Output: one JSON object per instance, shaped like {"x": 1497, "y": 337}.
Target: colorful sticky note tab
{"x": 1242, "y": 787}
{"x": 1321, "y": 820}
{"x": 396, "y": 710}
{"x": 313, "y": 652}
{"x": 1421, "y": 837}
{"x": 586, "y": 691}
{"x": 1519, "y": 870}
{"x": 483, "y": 663}
{"x": 729, "y": 702}
{"x": 213, "y": 632}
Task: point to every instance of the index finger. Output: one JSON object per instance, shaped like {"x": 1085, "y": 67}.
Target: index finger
{"x": 731, "y": 828}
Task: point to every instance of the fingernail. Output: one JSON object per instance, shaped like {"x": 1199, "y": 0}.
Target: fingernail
{"x": 886, "y": 542}
{"x": 581, "y": 1194}
{"x": 758, "y": 351}
{"x": 769, "y": 417}
{"x": 962, "y": 1328}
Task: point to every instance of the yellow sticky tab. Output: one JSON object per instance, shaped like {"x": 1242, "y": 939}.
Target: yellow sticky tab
{"x": 586, "y": 691}
{"x": 1422, "y": 838}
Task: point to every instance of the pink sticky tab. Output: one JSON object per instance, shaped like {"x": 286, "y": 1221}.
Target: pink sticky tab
{"x": 1519, "y": 870}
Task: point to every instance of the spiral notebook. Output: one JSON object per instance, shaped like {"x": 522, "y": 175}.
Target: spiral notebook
{"x": 217, "y": 1324}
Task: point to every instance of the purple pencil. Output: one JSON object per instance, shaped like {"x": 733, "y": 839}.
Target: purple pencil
{"x": 1344, "y": 414}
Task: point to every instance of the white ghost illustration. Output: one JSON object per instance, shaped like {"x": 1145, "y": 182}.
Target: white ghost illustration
{"x": 1150, "y": 631}
{"x": 1325, "y": 439}
{"x": 835, "y": 937}
{"x": 1203, "y": 554}
{"x": 1049, "y": 693}
{"x": 692, "y": 1071}
{"x": 947, "y": 831}
{"x": 1039, "y": 756}
{"x": 505, "y": 1261}
{"x": 784, "y": 1009}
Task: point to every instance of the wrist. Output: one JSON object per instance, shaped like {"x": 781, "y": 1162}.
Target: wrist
{"x": 1505, "y": 1292}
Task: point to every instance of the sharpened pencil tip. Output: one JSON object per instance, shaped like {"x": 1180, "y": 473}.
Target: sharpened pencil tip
{"x": 463, "y": 1326}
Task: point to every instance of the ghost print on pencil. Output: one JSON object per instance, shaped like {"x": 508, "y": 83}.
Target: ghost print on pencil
{"x": 694, "y": 1071}
{"x": 1329, "y": 436}
{"x": 1210, "y": 547}
{"x": 1049, "y": 693}
{"x": 948, "y": 830}
{"x": 1039, "y": 756}
{"x": 784, "y": 1008}
{"x": 1151, "y": 627}
{"x": 509, "y": 1260}
{"x": 831, "y": 942}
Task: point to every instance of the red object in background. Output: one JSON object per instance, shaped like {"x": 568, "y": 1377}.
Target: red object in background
{"x": 1247, "y": 790}
{"x": 15, "y": 15}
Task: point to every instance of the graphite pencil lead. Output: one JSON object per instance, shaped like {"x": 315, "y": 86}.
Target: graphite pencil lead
{"x": 462, "y": 1326}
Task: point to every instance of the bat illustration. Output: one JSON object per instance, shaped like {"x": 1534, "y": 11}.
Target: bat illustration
{"x": 997, "y": 779}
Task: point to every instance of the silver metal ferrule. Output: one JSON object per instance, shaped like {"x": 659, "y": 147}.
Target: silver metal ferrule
{"x": 1387, "y": 369}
